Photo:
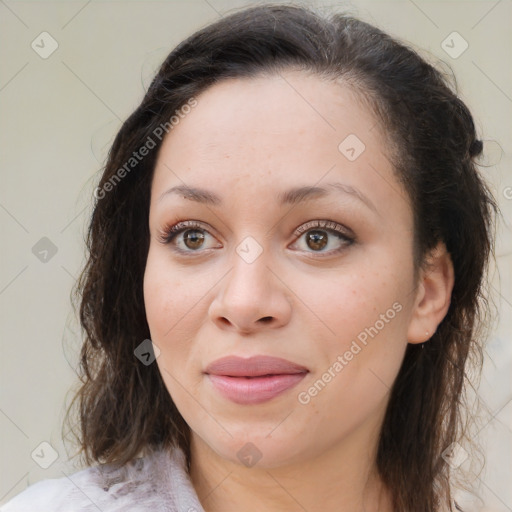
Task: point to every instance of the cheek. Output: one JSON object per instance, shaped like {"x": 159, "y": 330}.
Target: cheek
{"x": 360, "y": 316}
{"x": 360, "y": 349}
{"x": 176, "y": 306}
{"x": 159, "y": 303}
{"x": 347, "y": 303}
{"x": 169, "y": 313}
{"x": 167, "y": 299}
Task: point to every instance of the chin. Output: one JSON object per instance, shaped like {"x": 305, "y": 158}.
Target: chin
{"x": 257, "y": 448}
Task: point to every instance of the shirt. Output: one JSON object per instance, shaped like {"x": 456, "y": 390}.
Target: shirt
{"x": 158, "y": 482}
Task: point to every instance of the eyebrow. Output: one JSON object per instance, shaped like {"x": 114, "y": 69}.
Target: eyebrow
{"x": 290, "y": 197}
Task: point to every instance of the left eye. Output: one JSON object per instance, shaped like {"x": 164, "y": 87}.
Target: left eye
{"x": 323, "y": 236}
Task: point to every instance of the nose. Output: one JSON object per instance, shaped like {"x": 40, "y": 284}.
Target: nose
{"x": 251, "y": 298}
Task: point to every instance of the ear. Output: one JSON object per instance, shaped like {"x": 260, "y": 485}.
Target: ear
{"x": 433, "y": 295}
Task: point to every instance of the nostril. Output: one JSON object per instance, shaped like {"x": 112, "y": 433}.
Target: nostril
{"x": 266, "y": 319}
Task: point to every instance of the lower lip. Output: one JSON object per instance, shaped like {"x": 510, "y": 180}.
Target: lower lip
{"x": 254, "y": 390}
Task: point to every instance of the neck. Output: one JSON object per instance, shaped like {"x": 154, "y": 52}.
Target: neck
{"x": 343, "y": 478}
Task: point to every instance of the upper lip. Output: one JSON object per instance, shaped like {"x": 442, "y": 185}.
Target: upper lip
{"x": 234, "y": 366}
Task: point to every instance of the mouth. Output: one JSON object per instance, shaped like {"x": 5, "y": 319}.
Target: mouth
{"x": 253, "y": 380}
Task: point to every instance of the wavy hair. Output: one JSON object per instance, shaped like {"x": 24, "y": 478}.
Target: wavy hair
{"x": 123, "y": 408}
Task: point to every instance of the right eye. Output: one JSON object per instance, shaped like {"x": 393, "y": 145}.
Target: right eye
{"x": 187, "y": 237}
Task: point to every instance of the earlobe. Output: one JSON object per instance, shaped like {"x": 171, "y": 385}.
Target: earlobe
{"x": 433, "y": 296}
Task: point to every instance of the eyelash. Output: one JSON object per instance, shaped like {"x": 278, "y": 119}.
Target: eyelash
{"x": 171, "y": 231}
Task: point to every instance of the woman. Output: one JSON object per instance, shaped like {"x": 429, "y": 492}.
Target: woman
{"x": 283, "y": 287}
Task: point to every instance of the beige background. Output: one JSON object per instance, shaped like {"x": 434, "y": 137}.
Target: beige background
{"x": 58, "y": 117}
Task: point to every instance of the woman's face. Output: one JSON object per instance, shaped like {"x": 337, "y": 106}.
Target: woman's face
{"x": 292, "y": 240}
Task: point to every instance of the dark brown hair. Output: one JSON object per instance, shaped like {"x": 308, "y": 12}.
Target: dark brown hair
{"x": 123, "y": 407}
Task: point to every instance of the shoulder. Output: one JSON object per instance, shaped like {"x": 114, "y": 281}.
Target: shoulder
{"x": 38, "y": 495}
{"x": 52, "y": 494}
{"x": 136, "y": 486}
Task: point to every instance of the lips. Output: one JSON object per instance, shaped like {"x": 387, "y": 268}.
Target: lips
{"x": 254, "y": 380}
{"x": 256, "y": 366}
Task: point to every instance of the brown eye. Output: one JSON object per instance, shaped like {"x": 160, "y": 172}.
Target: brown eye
{"x": 316, "y": 240}
{"x": 193, "y": 239}
{"x": 323, "y": 238}
{"x": 189, "y": 237}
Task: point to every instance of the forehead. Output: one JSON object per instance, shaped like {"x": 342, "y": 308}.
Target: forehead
{"x": 277, "y": 130}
